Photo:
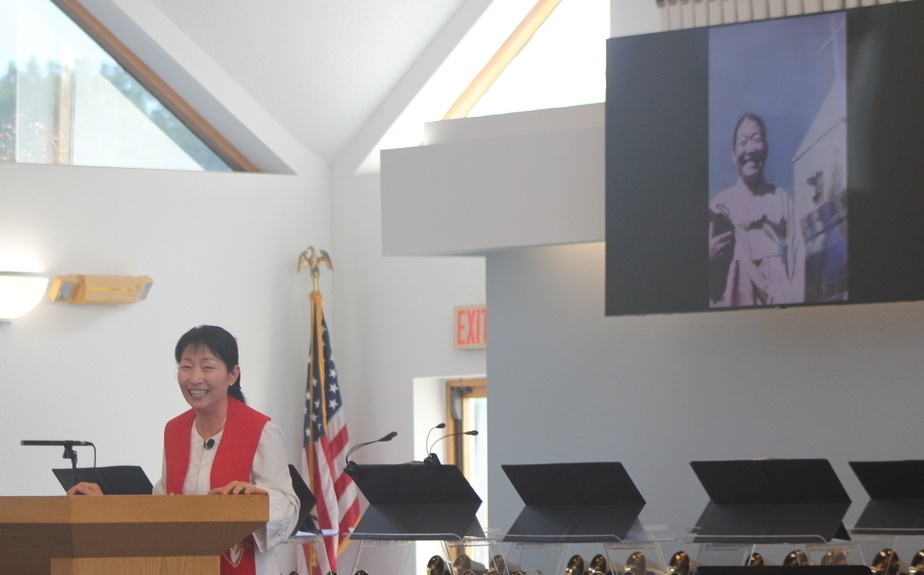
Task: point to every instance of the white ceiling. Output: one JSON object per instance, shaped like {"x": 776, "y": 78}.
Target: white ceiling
{"x": 319, "y": 67}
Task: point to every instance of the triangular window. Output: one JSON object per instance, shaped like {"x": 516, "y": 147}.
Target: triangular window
{"x": 65, "y": 100}
{"x": 558, "y": 58}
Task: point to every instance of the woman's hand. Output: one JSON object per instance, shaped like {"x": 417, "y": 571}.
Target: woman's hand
{"x": 84, "y": 488}
{"x": 238, "y": 488}
{"x": 720, "y": 245}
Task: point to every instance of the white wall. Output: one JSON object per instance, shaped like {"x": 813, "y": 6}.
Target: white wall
{"x": 221, "y": 248}
{"x": 392, "y": 321}
{"x": 391, "y": 324}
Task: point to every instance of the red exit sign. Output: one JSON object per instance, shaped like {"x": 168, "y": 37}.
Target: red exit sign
{"x": 471, "y": 327}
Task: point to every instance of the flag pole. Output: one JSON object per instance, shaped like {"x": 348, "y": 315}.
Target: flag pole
{"x": 326, "y": 434}
{"x": 313, "y": 259}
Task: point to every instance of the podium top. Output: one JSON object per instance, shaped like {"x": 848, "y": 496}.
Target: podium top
{"x": 35, "y": 529}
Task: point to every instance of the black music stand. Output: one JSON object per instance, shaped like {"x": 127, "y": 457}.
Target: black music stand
{"x": 771, "y": 501}
{"x": 896, "y": 492}
{"x": 573, "y": 502}
{"x": 306, "y": 502}
{"x": 413, "y": 501}
{"x": 116, "y": 480}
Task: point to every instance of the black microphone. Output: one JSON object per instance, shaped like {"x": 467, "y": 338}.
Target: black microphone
{"x": 437, "y": 426}
{"x": 350, "y": 464}
{"x": 208, "y": 444}
{"x": 62, "y": 443}
{"x": 433, "y": 459}
{"x": 69, "y": 453}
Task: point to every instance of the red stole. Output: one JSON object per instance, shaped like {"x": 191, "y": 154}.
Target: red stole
{"x": 233, "y": 462}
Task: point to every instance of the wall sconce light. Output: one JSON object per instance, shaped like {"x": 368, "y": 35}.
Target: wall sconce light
{"x": 100, "y": 289}
{"x": 19, "y": 293}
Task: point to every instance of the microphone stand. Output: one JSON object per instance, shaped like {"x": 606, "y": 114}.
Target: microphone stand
{"x": 69, "y": 453}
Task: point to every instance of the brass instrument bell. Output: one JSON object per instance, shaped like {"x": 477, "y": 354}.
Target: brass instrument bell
{"x": 755, "y": 560}
{"x": 834, "y": 558}
{"x": 796, "y": 557}
{"x": 916, "y": 567}
{"x": 575, "y": 565}
{"x": 597, "y": 565}
{"x": 436, "y": 566}
{"x": 885, "y": 563}
{"x": 679, "y": 564}
{"x": 498, "y": 566}
{"x": 636, "y": 564}
{"x": 464, "y": 563}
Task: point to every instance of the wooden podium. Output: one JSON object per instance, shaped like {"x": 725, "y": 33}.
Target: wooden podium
{"x": 124, "y": 534}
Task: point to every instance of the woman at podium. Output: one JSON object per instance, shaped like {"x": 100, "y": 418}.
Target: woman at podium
{"x": 222, "y": 446}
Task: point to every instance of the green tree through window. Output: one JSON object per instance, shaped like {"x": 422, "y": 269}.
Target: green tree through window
{"x": 64, "y": 100}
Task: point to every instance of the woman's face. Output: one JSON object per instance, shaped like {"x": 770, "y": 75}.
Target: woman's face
{"x": 204, "y": 380}
{"x": 750, "y": 151}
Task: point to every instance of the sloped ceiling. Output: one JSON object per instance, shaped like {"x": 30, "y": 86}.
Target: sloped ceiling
{"x": 319, "y": 67}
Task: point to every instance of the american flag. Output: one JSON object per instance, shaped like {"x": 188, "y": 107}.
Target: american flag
{"x": 326, "y": 443}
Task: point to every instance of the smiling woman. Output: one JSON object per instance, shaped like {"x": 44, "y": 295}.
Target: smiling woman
{"x": 223, "y": 447}
{"x": 755, "y": 244}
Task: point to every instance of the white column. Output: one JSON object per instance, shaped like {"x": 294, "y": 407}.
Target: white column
{"x": 676, "y": 11}
{"x": 700, "y": 13}
{"x": 811, "y": 6}
{"x": 664, "y": 17}
{"x": 714, "y": 7}
{"x": 729, "y": 11}
{"x": 686, "y": 14}
{"x": 745, "y": 13}
{"x": 777, "y": 8}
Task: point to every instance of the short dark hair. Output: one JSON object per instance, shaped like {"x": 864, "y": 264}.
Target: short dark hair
{"x": 219, "y": 342}
{"x": 753, "y": 117}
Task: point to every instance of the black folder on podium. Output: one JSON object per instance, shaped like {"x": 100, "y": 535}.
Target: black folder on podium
{"x": 771, "y": 501}
{"x": 896, "y": 491}
{"x": 573, "y": 502}
{"x": 413, "y": 501}
{"x": 115, "y": 480}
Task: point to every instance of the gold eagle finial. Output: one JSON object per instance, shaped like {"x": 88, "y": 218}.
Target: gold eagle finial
{"x": 313, "y": 259}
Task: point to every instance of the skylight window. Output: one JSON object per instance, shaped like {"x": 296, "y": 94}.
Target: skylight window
{"x": 64, "y": 100}
{"x": 562, "y": 64}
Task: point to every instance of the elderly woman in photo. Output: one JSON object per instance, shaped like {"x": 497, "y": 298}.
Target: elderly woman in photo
{"x": 756, "y": 250}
